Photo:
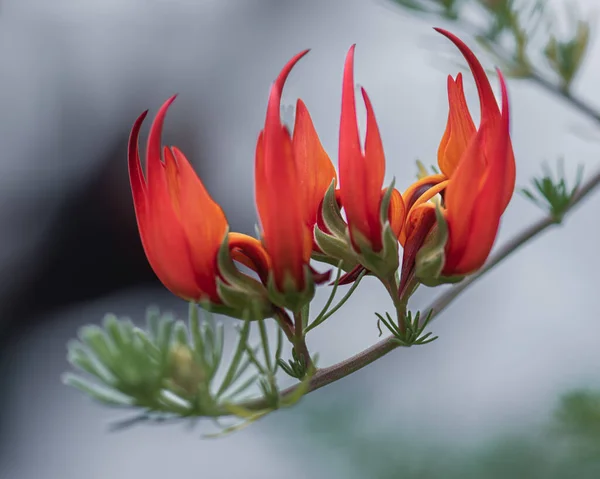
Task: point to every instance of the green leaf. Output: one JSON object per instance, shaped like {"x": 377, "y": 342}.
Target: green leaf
{"x": 102, "y": 394}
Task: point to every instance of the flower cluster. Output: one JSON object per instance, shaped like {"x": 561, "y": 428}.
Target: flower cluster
{"x": 446, "y": 223}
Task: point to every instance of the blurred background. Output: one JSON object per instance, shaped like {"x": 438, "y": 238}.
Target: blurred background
{"x": 480, "y": 401}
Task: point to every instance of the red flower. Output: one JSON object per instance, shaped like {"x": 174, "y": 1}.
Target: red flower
{"x": 180, "y": 225}
{"x": 477, "y": 177}
{"x": 292, "y": 176}
{"x": 362, "y": 173}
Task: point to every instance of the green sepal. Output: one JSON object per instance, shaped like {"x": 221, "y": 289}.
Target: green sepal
{"x": 385, "y": 203}
{"x": 238, "y": 291}
{"x": 332, "y": 216}
{"x": 290, "y": 298}
{"x": 383, "y": 263}
{"x": 334, "y": 249}
{"x": 430, "y": 259}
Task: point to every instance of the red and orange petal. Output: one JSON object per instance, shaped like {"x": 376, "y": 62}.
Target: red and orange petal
{"x": 397, "y": 212}
{"x": 314, "y": 168}
{"x": 489, "y": 109}
{"x": 474, "y": 198}
{"x": 278, "y": 195}
{"x": 419, "y": 193}
{"x": 181, "y": 227}
{"x": 460, "y": 128}
{"x": 250, "y": 252}
{"x": 419, "y": 222}
{"x": 361, "y": 175}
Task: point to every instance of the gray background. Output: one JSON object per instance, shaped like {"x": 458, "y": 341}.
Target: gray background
{"x": 76, "y": 74}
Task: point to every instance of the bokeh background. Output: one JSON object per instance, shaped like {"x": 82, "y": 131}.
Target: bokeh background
{"x": 475, "y": 403}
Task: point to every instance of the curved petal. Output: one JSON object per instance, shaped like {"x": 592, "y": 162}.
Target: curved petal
{"x": 461, "y": 195}
{"x": 250, "y": 252}
{"x": 418, "y": 225}
{"x": 397, "y": 212}
{"x": 351, "y": 162}
{"x": 282, "y": 221}
{"x": 361, "y": 176}
{"x": 166, "y": 237}
{"x": 421, "y": 192}
{"x": 488, "y": 207}
{"x": 203, "y": 221}
{"x": 490, "y": 113}
{"x": 374, "y": 161}
{"x": 137, "y": 181}
{"x": 419, "y": 187}
{"x": 460, "y": 128}
{"x": 487, "y": 100}
{"x": 315, "y": 170}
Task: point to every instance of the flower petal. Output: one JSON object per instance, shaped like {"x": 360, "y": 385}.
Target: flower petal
{"x": 461, "y": 195}
{"x": 420, "y": 192}
{"x": 250, "y": 252}
{"x": 351, "y": 162}
{"x": 397, "y": 212}
{"x": 204, "y": 224}
{"x": 361, "y": 176}
{"x": 374, "y": 163}
{"x": 490, "y": 112}
{"x": 170, "y": 256}
{"x": 488, "y": 207}
{"x": 418, "y": 225}
{"x": 460, "y": 128}
{"x": 314, "y": 168}
{"x": 284, "y": 228}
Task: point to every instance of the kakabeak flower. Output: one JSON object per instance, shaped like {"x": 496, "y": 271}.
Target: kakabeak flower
{"x": 476, "y": 183}
{"x": 184, "y": 232}
{"x": 291, "y": 176}
{"x": 181, "y": 227}
{"x": 374, "y": 218}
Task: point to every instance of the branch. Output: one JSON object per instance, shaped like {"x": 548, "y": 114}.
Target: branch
{"x": 566, "y": 95}
{"x": 329, "y": 375}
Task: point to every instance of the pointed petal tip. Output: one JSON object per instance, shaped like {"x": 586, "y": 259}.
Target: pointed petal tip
{"x": 276, "y": 91}
{"x": 137, "y": 126}
{"x": 505, "y": 103}
{"x": 351, "y": 50}
{"x": 445, "y": 32}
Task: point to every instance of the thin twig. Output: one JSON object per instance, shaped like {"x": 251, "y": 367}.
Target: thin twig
{"x": 566, "y": 95}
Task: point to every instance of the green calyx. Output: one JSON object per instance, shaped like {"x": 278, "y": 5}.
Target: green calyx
{"x": 333, "y": 244}
{"x": 431, "y": 257}
{"x": 238, "y": 291}
{"x": 289, "y": 297}
{"x": 334, "y": 249}
{"x": 383, "y": 263}
{"x": 332, "y": 216}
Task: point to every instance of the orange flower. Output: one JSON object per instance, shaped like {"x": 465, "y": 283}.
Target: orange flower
{"x": 362, "y": 173}
{"x": 476, "y": 182}
{"x": 460, "y": 127}
{"x": 476, "y": 196}
{"x": 180, "y": 225}
{"x": 292, "y": 176}
{"x": 460, "y": 132}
